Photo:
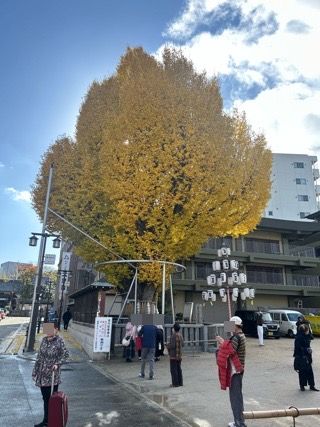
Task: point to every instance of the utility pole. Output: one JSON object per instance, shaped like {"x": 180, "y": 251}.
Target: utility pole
{"x": 35, "y": 300}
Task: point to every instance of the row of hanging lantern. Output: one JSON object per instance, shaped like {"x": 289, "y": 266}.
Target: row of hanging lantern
{"x": 226, "y": 276}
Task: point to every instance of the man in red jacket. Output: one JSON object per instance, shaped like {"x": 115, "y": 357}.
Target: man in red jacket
{"x": 238, "y": 342}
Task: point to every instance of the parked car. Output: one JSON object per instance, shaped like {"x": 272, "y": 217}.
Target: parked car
{"x": 249, "y": 319}
{"x": 287, "y": 320}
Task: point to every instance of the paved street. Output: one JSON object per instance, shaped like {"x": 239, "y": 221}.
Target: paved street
{"x": 8, "y": 327}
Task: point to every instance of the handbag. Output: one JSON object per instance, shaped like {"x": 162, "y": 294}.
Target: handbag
{"x": 126, "y": 341}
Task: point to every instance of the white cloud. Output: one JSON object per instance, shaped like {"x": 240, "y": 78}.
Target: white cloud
{"x": 285, "y": 115}
{"x": 193, "y": 15}
{"x": 1, "y": 165}
{"x": 274, "y": 48}
{"x": 16, "y": 195}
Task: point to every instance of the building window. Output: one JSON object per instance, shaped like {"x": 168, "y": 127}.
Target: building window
{"x": 203, "y": 269}
{"x": 303, "y": 198}
{"x": 238, "y": 243}
{"x": 262, "y": 246}
{"x": 301, "y": 181}
{"x": 216, "y": 243}
{"x": 304, "y": 214}
{"x": 260, "y": 274}
{"x": 270, "y": 213}
{"x": 298, "y": 165}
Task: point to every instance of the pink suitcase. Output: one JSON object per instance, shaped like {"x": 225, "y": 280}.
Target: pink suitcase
{"x": 58, "y": 408}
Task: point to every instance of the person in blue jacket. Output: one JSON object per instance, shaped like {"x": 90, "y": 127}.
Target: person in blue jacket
{"x": 149, "y": 335}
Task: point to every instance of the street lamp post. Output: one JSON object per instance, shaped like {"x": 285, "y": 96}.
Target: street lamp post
{"x": 33, "y": 242}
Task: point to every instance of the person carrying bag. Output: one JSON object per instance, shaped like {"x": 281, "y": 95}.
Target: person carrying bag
{"x": 46, "y": 371}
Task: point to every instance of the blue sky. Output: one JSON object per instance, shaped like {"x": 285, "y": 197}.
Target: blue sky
{"x": 262, "y": 52}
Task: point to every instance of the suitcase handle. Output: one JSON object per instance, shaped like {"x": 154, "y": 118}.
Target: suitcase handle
{"x": 52, "y": 383}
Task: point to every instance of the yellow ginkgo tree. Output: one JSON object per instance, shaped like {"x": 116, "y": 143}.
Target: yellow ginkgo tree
{"x": 156, "y": 166}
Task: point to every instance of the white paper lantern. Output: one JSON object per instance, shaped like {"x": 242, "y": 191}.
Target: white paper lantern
{"x": 235, "y": 292}
{"x": 234, "y": 265}
{"x": 225, "y": 251}
{"x": 205, "y": 296}
{"x": 234, "y": 298}
{"x": 223, "y": 277}
{"x": 243, "y": 278}
{"x": 222, "y": 292}
{"x": 211, "y": 280}
{"x": 246, "y": 292}
{"x": 235, "y": 277}
{"x": 216, "y": 266}
{"x": 224, "y": 299}
{"x": 219, "y": 281}
{"x": 210, "y": 294}
{"x": 252, "y": 293}
{"x": 219, "y": 253}
{"x": 243, "y": 296}
{"x": 214, "y": 297}
{"x": 225, "y": 264}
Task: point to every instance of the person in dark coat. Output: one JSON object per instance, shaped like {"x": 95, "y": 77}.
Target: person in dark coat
{"x": 67, "y": 316}
{"x": 303, "y": 358}
{"x": 159, "y": 343}
{"x": 51, "y": 355}
{"x": 148, "y": 334}
{"x": 175, "y": 352}
{"x": 303, "y": 321}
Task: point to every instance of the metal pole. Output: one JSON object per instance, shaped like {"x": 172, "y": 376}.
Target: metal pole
{"x": 126, "y": 299}
{"x": 229, "y": 302}
{"x": 277, "y": 413}
{"x": 42, "y": 248}
{"x": 48, "y": 300}
{"x": 135, "y": 291}
{"x": 64, "y": 278}
{"x": 172, "y": 305}
{"x": 163, "y": 286}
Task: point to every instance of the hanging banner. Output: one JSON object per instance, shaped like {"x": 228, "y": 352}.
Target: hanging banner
{"x": 102, "y": 335}
{"x": 65, "y": 260}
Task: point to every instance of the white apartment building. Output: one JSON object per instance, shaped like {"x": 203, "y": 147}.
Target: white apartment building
{"x": 294, "y": 191}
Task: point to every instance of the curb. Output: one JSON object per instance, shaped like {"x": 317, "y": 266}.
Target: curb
{"x": 10, "y": 339}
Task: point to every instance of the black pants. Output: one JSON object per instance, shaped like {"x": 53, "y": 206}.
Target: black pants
{"x": 176, "y": 373}
{"x": 306, "y": 377}
{"x": 46, "y": 392}
{"x": 129, "y": 351}
{"x": 65, "y": 325}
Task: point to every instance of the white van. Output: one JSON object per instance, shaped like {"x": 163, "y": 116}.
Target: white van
{"x": 287, "y": 320}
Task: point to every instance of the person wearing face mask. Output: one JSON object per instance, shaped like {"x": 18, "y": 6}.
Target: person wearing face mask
{"x": 51, "y": 354}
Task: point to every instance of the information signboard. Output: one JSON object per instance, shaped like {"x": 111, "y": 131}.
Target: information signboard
{"x": 102, "y": 335}
{"x": 49, "y": 259}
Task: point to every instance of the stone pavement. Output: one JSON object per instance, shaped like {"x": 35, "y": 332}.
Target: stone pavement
{"x": 269, "y": 383}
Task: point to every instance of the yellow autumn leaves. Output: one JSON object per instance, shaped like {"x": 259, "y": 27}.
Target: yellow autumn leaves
{"x": 156, "y": 166}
